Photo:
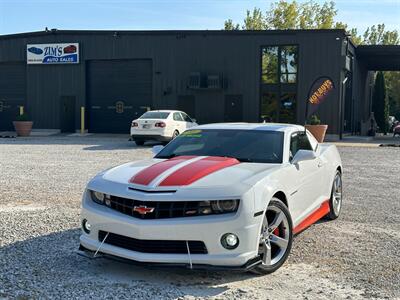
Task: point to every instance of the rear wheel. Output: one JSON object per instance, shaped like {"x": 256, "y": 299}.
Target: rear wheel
{"x": 335, "y": 203}
{"x": 175, "y": 134}
{"x": 139, "y": 143}
{"x": 275, "y": 238}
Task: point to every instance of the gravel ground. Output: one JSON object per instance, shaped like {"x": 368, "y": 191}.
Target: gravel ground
{"x": 41, "y": 181}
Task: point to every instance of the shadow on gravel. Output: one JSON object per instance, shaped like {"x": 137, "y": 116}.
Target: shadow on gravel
{"x": 98, "y": 142}
{"x": 32, "y": 267}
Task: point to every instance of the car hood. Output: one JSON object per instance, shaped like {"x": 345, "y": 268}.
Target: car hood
{"x": 186, "y": 172}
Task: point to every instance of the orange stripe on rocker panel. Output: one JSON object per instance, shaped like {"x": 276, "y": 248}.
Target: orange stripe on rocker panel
{"x": 313, "y": 217}
{"x": 148, "y": 174}
{"x": 197, "y": 170}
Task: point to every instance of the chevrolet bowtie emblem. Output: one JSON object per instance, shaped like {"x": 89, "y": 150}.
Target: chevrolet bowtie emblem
{"x": 143, "y": 209}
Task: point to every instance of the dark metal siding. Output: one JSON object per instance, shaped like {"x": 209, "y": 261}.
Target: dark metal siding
{"x": 12, "y": 92}
{"x": 175, "y": 55}
{"x": 113, "y": 83}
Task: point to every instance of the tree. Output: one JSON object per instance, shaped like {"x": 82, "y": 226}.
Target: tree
{"x": 380, "y": 103}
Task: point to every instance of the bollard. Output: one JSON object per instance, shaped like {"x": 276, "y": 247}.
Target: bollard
{"x": 82, "y": 119}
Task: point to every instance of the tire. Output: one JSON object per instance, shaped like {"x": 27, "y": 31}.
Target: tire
{"x": 276, "y": 238}
{"x": 335, "y": 202}
{"x": 139, "y": 143}
{"x": 175, "y": 134}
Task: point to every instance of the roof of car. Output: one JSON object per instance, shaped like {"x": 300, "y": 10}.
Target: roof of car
{"x": 254, "y": 126}
{"x": 164, "y": 110}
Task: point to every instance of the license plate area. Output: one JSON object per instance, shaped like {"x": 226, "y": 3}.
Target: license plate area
{"x": 146, "y": 126}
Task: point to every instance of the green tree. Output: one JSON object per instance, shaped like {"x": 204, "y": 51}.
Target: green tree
{"x": 380, "y": 103}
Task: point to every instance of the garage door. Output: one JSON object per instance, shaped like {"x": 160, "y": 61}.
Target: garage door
{"x": 12, "y": 93}
{"x": 118, "y": 91}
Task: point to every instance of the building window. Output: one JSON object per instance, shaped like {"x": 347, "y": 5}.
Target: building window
{"x": 270, "y": 65}
{"x": 287, "y": 109}
{"x": 279, "y": 63}
{"x": 269, "y": 107}
{"x": 288, "y": 55}
{"x": 279, "y": 66}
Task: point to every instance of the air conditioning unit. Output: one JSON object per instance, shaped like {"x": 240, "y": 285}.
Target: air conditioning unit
{"x": 194, "y": 80}
{"x": 214, "y": 82}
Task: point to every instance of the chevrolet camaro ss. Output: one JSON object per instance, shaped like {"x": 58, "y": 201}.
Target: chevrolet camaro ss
{"x": 218, "y": 195}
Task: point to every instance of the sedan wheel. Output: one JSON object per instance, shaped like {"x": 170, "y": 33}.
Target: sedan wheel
{"x": 335, "y": 203}
{"x": 175, "y": 134}
{"x": 275, "y": 239}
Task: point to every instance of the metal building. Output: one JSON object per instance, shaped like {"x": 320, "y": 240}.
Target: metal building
{"x": 214, "y": 76}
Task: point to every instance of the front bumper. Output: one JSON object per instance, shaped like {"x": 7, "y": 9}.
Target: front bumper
{"x": 208, "y": 229}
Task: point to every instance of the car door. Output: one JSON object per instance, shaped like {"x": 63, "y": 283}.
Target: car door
{"x": 188, "y": 121}
{"x": 179, "y": 123}
{"x": 307, "y": 179}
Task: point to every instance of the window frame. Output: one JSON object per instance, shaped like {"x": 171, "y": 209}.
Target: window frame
{"x": 298, "y": 133}
{"x": 178, "y": 114}
{"x": 279, "y": 88}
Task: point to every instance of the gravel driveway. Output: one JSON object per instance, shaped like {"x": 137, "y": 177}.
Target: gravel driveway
{"x": 41, "y": 181}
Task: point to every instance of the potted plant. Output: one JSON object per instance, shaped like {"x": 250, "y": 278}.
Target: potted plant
{"x": 316, "y": 129}
{"x": 23, "y": 125}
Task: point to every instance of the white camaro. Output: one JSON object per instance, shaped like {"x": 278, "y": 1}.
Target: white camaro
{"x": 160, "y": 125}
{"x": 222, "y": 195}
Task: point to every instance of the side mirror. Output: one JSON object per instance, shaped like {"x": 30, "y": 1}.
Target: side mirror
{"x": 303, "y": 155}
{"x": 156, "y": 149}
{"x": 194, "y": 120}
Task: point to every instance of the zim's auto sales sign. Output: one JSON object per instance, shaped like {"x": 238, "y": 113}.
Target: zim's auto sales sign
{"x": 65, "y": 53}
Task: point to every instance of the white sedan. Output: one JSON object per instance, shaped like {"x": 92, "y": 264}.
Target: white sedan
{"x": 160, "y": 125}
{"x": 219, "y": 195}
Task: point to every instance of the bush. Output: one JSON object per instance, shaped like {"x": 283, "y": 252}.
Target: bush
{"x": 314, "y": 120}
{"x": 22, "y": 118}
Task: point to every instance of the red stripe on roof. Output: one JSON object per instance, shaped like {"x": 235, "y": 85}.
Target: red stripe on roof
{"x": 197, "y": 170}
{"x": 320, "y": 212}
{"x": 147, "y": 175}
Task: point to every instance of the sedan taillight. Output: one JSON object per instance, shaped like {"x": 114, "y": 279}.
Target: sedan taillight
{"x": 160, "y": 124}
{"x": 134, "y": 124}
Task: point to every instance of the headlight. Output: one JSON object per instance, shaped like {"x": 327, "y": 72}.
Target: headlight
{"x": 97, "y": 197}
{"x": 224, "y": 206}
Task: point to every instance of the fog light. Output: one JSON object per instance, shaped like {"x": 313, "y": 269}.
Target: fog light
{"x": 229, "y": 241}
{"x": 86, "y": 226}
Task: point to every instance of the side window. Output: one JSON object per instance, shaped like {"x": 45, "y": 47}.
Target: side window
{"x": 186, "y": 118}
{"x": 299, "y": 141}
{"x": 177, "y": 117}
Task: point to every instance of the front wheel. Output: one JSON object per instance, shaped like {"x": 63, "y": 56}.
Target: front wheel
{"x": 275, "y": 241}
{"x": 335, "y": 202}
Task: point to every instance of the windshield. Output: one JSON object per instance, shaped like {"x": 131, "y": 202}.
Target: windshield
{"x": 155, "y": 115}
{"x": 245, "y": 145}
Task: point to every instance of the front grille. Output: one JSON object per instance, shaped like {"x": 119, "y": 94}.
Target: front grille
{"x": 153, "y": 246}
{"x": 162, "y": 209}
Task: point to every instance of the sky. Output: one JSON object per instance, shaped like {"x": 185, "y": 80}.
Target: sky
{"x": 34, "y": 15}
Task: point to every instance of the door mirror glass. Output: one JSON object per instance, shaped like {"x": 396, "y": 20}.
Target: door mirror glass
{"x": 303, "y": 155}
{"x": 156, "y": 149}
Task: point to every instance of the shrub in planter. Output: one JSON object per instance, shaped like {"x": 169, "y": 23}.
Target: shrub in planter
{"x": 316, "y": 129}
{"x": 23, "y": 125}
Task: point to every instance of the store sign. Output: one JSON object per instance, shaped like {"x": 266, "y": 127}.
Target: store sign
{"x": 320, "y": 90}
{"x": 52, "y": 53}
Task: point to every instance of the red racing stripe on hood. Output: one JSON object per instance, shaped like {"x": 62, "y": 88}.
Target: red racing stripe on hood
{"x": 147, "y": 175}
{"x": 197, "y": 170}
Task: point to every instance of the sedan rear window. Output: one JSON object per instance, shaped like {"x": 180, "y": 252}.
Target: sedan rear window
{"x": 155, "y": 115}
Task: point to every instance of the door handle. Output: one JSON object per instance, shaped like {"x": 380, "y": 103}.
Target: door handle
{"x": 320, "y": 164}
